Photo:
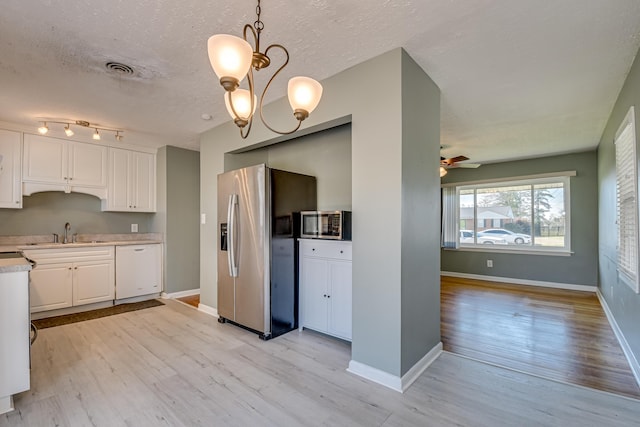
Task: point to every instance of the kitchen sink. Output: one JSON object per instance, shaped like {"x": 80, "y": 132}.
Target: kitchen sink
{"x": 5, "y": 255}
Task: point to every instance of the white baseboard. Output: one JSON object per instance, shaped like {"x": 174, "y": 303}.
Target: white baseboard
{"x": 422, "y": 364}
{"x": 633, "y": 362}
{"x": 568, "y": 286}
{"x": 399, "y": 384}
{"x": 6, "y": 404}
{"x": 208, "y": 310}
{"x": 181, "y": 294}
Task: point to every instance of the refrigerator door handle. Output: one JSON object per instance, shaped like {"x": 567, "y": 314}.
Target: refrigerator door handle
{"x": 231, "y": 221}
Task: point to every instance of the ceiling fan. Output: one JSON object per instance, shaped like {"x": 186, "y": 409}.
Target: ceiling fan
{"x": 454, "y": 162}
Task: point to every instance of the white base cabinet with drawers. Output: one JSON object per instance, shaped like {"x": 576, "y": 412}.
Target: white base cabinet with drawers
{"x": 325, "y": 287}
{"x": 71, "y": 277}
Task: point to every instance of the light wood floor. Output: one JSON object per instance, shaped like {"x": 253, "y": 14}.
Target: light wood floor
{"x": 175, "y": 366}
{"x": 558, "y": 334}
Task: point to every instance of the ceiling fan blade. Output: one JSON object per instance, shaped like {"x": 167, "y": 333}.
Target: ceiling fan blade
{"x": 469, "y": 165}
{"x": 453, "y": 160}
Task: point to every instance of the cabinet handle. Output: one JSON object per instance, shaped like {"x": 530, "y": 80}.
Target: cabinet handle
{"x": 17, "y": 202}
{"x": 75, "y": 268}
{"x": 69, "y": 268}
{"x": 325, "y": 295}
{"x": 341, "y": 252}
{"x": 313, "y": 249}
{"x": 328, "y": 296}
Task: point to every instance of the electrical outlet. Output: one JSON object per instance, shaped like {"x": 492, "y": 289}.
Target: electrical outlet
{"x": 134, "y": 228}
{"x": 490, "y": 263}
{"x": 203, "y": 218}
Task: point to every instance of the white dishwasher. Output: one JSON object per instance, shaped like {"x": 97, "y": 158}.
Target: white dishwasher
{"x": 138, "y": 270}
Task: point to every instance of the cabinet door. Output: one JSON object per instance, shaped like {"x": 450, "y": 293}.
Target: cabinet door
{"x": 93, "y": 281}
{"x": 313, "y": 290}
{"x": 45, "y": 159}
{"x": 118, "y": 197}
{"x": 87, "y": 164}
{"x": 143, "y": 183}
{"x": 10, "y": 170}
{"x": 51, "y": 287}
{"x": 340, "y": 310}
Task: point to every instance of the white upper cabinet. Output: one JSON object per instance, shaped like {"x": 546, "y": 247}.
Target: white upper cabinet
{"x": 10, "y": 169}
{"x": 132, "y": 181}
{"x": 53, "y": 164}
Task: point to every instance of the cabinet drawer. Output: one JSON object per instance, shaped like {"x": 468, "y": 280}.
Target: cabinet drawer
{"x": 51, "y": 256}
{"x": 325, "y": 249}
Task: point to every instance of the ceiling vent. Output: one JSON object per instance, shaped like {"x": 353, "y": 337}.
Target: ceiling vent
{"x": 119, "y": 68}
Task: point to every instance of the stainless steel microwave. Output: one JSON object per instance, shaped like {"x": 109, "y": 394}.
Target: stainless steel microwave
{"x": 335, "y": 225}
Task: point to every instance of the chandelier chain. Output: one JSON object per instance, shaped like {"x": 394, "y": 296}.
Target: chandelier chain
{"x": 258, "y": 24}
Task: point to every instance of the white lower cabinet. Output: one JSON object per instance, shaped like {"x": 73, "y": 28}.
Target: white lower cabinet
{"x": 138, "y": 270}
{"x": 93, "y": 282}
{"x": 70, "y": 277}
{"x": 325, "y": 287}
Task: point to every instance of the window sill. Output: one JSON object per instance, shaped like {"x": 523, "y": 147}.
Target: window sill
{"x": 494, "y": 249}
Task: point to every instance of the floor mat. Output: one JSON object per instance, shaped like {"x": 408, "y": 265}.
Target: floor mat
{"x": 94, "y": 314}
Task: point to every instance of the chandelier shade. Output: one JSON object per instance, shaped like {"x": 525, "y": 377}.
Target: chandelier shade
{"x": 239, "y": 104}
{"x": 230, "y": 57}
{"x": 304, "y": 94}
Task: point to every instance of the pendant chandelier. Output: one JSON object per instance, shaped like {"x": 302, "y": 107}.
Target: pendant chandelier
{"x": 233, "y": 58}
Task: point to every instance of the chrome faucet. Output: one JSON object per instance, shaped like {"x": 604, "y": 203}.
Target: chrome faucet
{"x": 67, "y": 228}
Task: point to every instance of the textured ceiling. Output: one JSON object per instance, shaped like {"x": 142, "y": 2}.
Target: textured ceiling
{"x": 518, "y": 78}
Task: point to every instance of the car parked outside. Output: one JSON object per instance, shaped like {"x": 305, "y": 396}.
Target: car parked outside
{"x": 466, "y": 237}
{"x": 509, "y": 236}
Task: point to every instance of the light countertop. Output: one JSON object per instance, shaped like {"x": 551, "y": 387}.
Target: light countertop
{"x": 11, "y": 265}
{"x": 20, "y": 243}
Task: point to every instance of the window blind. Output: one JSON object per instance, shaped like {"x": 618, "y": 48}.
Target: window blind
{"x": 449, "y": 218}
{"x": 627, "y": 201}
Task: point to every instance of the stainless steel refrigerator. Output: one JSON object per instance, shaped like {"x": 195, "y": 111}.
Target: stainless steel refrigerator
{"x": 257, "y": 247}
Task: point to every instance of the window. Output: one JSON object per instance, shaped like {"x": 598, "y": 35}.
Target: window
{"x": 527, "y": 214}
{"x": 627, "y": 201}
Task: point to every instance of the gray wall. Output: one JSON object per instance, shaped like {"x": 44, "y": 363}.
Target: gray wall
{"x": 325, "y": 155}
{"x": 420, "y": 213}
{"x": 371, "y": 95}
{"x": 623, "y": 302}
{"x": 47, "y": 212}
{"x": 578, "y": 269}
{"x": 178, "y": 217}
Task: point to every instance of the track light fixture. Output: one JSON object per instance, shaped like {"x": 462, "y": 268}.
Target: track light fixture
{"x": 44, "y": 129}
{"x": 233, "y": 59}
